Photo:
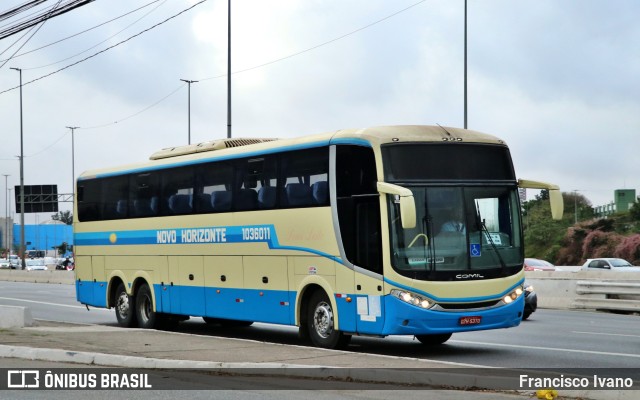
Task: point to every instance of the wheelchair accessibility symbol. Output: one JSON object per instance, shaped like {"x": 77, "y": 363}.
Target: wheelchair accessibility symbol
{"x": 475, "y": 249}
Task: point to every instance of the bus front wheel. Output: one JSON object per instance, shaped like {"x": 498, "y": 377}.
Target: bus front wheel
{"x": 433, "y": 340}
{"x": 147, "y": 318}
{"x": 320, "y": 323}
{"x": 125, "y": 307}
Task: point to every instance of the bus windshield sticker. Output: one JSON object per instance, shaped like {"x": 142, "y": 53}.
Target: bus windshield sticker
{"x": 475, "y": 250}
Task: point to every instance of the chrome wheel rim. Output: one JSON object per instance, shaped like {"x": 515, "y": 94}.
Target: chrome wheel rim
{"x": 323, "y": 320}
{"x": 123, "y": 305}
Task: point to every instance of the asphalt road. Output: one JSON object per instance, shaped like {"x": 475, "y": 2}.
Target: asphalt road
{"x": 555, "y": 339}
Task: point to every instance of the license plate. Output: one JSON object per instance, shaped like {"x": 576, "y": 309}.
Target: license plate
{"x": 470, "y": 320}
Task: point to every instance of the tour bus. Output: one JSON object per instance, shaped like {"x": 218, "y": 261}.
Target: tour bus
{"x": 341, "y": 234}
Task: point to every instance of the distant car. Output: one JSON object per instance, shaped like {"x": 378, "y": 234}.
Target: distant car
{"x": 36, "y": 264}
{"x": 611, "y": 264}
{"x": 530, "y": 301}
{"x": 534, "y": 264}
{"x": 15, "y": 262}
{"x": 5, "y": 264}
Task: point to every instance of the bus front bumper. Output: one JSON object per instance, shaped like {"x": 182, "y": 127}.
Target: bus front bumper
{"x": 405, "y": 319}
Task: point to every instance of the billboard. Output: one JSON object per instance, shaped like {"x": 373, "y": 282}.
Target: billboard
{"x": 38, "y": 198}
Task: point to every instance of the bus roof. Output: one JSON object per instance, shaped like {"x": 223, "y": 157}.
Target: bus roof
{"x": 247, "y": 147}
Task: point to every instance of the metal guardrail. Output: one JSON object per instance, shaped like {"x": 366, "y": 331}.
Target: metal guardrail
{"x": 607, "y": 295}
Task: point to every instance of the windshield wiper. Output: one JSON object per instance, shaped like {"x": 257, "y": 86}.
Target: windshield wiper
{"x": 481, "y": 224}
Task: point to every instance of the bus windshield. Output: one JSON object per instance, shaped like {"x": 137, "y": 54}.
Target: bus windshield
{"x": 461, "y": 233}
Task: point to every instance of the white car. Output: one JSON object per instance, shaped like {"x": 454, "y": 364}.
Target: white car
{"x": 5, "y": 264}
{"x": 611, "y": 264}
{"x": 36, "y": 264}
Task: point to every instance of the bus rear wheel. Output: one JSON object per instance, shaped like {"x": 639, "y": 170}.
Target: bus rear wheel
{"x": 124, "y": 307}
{"x": 147, "y": 318}
{"x": 320, "y": 323}
{"x": 433, "y": 340}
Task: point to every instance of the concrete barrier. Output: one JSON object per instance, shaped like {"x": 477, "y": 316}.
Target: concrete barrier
{"x": 51, "y": 276}
{"x": 15, "y": 317}
{"x": 598, "y": 290}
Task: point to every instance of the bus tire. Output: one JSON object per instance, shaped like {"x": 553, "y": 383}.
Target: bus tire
{"x": 321, "y": 323}
{"x": 124, "y": 306}
{"x": 147, "y": 318}
{"x": 433, "y": 340}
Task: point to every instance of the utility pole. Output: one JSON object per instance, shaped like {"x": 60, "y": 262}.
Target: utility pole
{"x": 6, "y": 213}
{"x": 465, "y": 64}
{"x": 73, "y": 162}
{"x": 189, "y": 110}
{"x": 229, "y": 70}
{"x": 22, "y": 247}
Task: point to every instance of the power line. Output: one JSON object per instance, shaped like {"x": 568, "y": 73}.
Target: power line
{"x": 32, "y": 35}
{"x": 137, "y": 113}
{"x": 64, "y": 8}
{"x": 219, "y": 76}
{"x": 86, "y": 30}
{"x": 258, "y": 66}
{"x": 106, "y": 49}
{"x": 98, "y": 44}
{"x": 317, "y": 46}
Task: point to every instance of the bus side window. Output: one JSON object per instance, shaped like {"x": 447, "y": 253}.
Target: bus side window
{"x": 303, "y": 172}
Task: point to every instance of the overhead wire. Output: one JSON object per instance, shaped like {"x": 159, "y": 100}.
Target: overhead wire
{"x": 69, "y": 5}
{"x": 98, "y": 44}
{"x": 105, "y": 49}
{"x": 258, "y": 66}
{"x": 33, "y": 34}
{"x": 214, "y": 77}
{"x": 85, "y": 31}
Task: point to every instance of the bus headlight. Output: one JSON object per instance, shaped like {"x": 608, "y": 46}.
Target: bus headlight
{"x": 513, "y": 296}
{"x": 413, "y": 299}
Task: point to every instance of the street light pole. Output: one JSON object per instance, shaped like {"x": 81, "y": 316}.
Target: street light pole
{"x": 73, "y": 162}
{"x": 229, "y": 69}
{"x": 189, "y": 108}
{"x": 465, "y": 64}
{"x": 6, "y": 213}
{"x": 22, "y": 248}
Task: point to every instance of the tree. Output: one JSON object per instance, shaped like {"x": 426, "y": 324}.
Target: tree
{"x": 63, "y": 216}
{"x": 543, "y": 235}
{"x": 634, "y": 212}
{"x": 62, "y": 249}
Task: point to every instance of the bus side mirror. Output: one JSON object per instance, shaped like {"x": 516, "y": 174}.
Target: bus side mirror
{"x": 407, "y": 204}
{"x": 555, "y": 197}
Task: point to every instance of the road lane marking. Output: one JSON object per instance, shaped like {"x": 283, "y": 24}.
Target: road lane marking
{"x": 50, "y": 304}
{"x": 605, "y": 334}
{"x": 604, "y": 353}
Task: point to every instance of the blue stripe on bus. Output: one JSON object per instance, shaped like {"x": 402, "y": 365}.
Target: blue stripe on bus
{"x": 198, "y": 235}
{"x": 278, "y": 306}
{"x": 354, "y": 141}
{"x": 454, "y": 299}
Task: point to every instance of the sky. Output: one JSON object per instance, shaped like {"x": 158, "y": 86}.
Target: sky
{"x": 557, "y": 80}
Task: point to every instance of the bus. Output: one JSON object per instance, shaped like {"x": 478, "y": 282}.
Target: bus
{"x": 339, "y": 234}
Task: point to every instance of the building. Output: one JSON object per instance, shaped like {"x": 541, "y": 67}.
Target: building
{"x": 46, "y": 236}
{"x": 624, "y": 199}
